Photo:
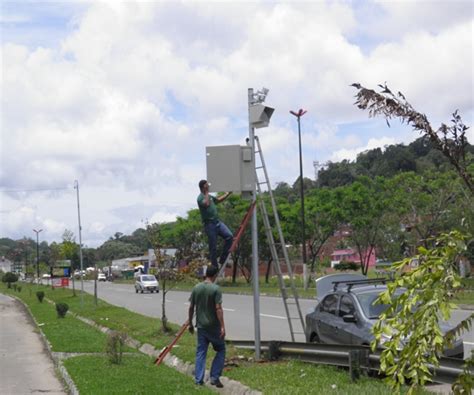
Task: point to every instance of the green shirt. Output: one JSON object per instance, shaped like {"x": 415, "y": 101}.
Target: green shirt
{"x": 205, "y": 296}
{"x": 208, "y": 214}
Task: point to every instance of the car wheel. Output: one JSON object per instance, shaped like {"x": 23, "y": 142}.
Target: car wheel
{"x": 136, "y": 290}
{"x": 141, "y": 290}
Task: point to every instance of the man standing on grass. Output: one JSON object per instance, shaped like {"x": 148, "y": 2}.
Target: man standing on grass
{"x": 206, "y": 297}
{"x": 212, "y": 225}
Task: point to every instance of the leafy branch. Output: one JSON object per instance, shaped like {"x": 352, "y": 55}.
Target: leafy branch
{"x": 450, "y": 140}
{"x": 410, "y": 328}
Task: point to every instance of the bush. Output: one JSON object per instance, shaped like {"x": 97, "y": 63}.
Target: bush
{"x": 62, "y": 309}
{"x": 114, "y": 348}
{"x": 9, "y": 278}
{"x": 18, "y": 288}
{"x": 14, "y": 286}
{"x": 347, "y": 266}
{"x": 40, "y": 296}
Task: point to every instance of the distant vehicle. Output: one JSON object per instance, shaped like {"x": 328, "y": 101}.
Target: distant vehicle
{"x": 146, "y": 282}
{"x": 346, "y": 313}
{"x": 46, "y": 276}
{"x": 101, "y": 277}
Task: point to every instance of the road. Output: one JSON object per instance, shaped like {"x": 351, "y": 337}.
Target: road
{"x": 238, "y": 311}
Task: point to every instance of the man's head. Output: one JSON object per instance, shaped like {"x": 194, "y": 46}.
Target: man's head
{"x": 211, "y": 271}
{"x": 202, "y": 183}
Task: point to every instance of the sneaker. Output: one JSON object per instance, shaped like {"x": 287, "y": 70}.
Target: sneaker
{"x": 217, "y": 383}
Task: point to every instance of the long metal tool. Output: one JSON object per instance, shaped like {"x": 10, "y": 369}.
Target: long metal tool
{"x": 235, "y": 243}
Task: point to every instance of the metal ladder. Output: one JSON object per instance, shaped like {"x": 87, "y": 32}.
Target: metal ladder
{"x": 289, "y": 295}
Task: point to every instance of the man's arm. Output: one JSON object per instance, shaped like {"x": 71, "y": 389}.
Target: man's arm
{"x": 190, "y": 317}
{"x": 223, "y": 197}
{"x": 220, "y": 317}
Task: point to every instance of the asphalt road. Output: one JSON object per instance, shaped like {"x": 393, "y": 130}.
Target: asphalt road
{"x": 238, "y": 311}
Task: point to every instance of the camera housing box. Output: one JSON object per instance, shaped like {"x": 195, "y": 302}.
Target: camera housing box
{"x": 230, "y": 168}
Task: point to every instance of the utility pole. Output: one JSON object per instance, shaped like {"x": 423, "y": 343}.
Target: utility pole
{"x": 76, "y": 186}
{"x": 37, "y": 254}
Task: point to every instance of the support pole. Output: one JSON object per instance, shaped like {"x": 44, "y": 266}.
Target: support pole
{"x": 256, "y": 291}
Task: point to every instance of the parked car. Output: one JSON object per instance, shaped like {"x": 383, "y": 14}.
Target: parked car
{"x": 146, "y": 282}
{"x": 101, "y": 277}
{"x": 346, "y": 312}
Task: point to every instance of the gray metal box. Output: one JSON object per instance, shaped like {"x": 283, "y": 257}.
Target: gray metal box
{"x": 230, "y": 168}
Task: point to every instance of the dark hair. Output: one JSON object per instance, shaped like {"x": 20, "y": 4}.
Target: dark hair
{"x": 201, "y": 184}
{"x": 211, "y": 271}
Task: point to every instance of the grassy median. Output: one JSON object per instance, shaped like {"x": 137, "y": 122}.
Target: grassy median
{"x": 94, "y": 374}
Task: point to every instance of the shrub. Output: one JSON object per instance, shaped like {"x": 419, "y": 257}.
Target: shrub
{"x": 114, "y": 348}
{"x": 14, "y": 286}
{"x": 40, "y": 296}
{"x": 347, "y": 266}
{"x": 18, "y": 288}
{"x": 9, "y": 278}
{"x": 62, "y": 309}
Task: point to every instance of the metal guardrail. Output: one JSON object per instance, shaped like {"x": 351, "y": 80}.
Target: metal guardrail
{"x": 350, "y": 356}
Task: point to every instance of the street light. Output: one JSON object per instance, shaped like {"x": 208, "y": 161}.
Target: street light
{"x": 298, "y": 116}
{"x": 37, "y": 253}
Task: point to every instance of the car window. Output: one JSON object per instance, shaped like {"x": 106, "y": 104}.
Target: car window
{"x": 346, "y": 306}
{"x": 148, "y": 278}
{"x": 371, "y": 309}
{"x": 329, "y": 304}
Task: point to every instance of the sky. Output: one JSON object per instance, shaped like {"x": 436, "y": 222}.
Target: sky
{"x": 124, "y": 97}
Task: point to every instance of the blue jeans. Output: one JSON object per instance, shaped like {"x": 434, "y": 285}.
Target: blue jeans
{"x": 204, "y": 337}
{"x": 214, "y": 229}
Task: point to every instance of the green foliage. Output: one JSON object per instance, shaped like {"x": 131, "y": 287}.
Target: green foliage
{"x": 114, "y": 347}
{"x": 61, "y": 309}
{"x": 9, "y": 278}
{"x": 40, "y": 296}
{"x": 18, "y": 288}
{"x": 409, "y": 329}
{"x": 347, "y": 266}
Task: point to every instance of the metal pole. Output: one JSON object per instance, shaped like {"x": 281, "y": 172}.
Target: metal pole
{"x": 302, "y": 193}
{"x": 298, "y": 116}
{"x": 37, "y": 253}
{"x": 256, "y": 292}
{"x": 76, "y": 186}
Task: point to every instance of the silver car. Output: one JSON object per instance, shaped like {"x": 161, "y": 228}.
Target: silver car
{"x": 146, "y": 282}
{"x": 346, "y": 313}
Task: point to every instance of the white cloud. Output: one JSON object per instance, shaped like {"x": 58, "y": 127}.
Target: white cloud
{"x": 128, "y": 96}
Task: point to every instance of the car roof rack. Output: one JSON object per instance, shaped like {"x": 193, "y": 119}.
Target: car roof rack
{"x": 351, "y": 283}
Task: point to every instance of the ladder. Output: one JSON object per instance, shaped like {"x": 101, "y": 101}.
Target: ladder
{"x": 289, "y": 295}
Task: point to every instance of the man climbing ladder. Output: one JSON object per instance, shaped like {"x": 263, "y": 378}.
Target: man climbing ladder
{"x": 212, "y": 225}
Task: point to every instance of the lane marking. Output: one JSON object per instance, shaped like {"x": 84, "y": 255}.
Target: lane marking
{"x": 273, "y": 316}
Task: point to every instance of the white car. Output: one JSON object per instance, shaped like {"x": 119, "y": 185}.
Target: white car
{"x": 101, "y": 277}
{"x": 146, "y": 282}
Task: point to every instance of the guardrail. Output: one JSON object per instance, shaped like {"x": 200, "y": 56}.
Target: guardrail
{"x": 356, "y": 358}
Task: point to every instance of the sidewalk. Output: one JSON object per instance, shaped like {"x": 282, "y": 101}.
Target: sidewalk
{"x": 25, "y": 366}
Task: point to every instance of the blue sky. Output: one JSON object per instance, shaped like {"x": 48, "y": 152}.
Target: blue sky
{"x": 125, "y": 96}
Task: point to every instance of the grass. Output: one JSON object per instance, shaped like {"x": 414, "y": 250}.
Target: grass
{"x": 137, "y": 374}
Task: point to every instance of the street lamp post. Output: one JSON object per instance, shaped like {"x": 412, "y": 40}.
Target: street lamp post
{"x": 76, "y": 186}
{"x": 37, "y": 253}
{"x": 298, "y": 116}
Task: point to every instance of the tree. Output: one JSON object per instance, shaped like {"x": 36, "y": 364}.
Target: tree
{"x": 409, "y": 328}
{"x": 363, "y": 204}
{"x": 166, "y": 271}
